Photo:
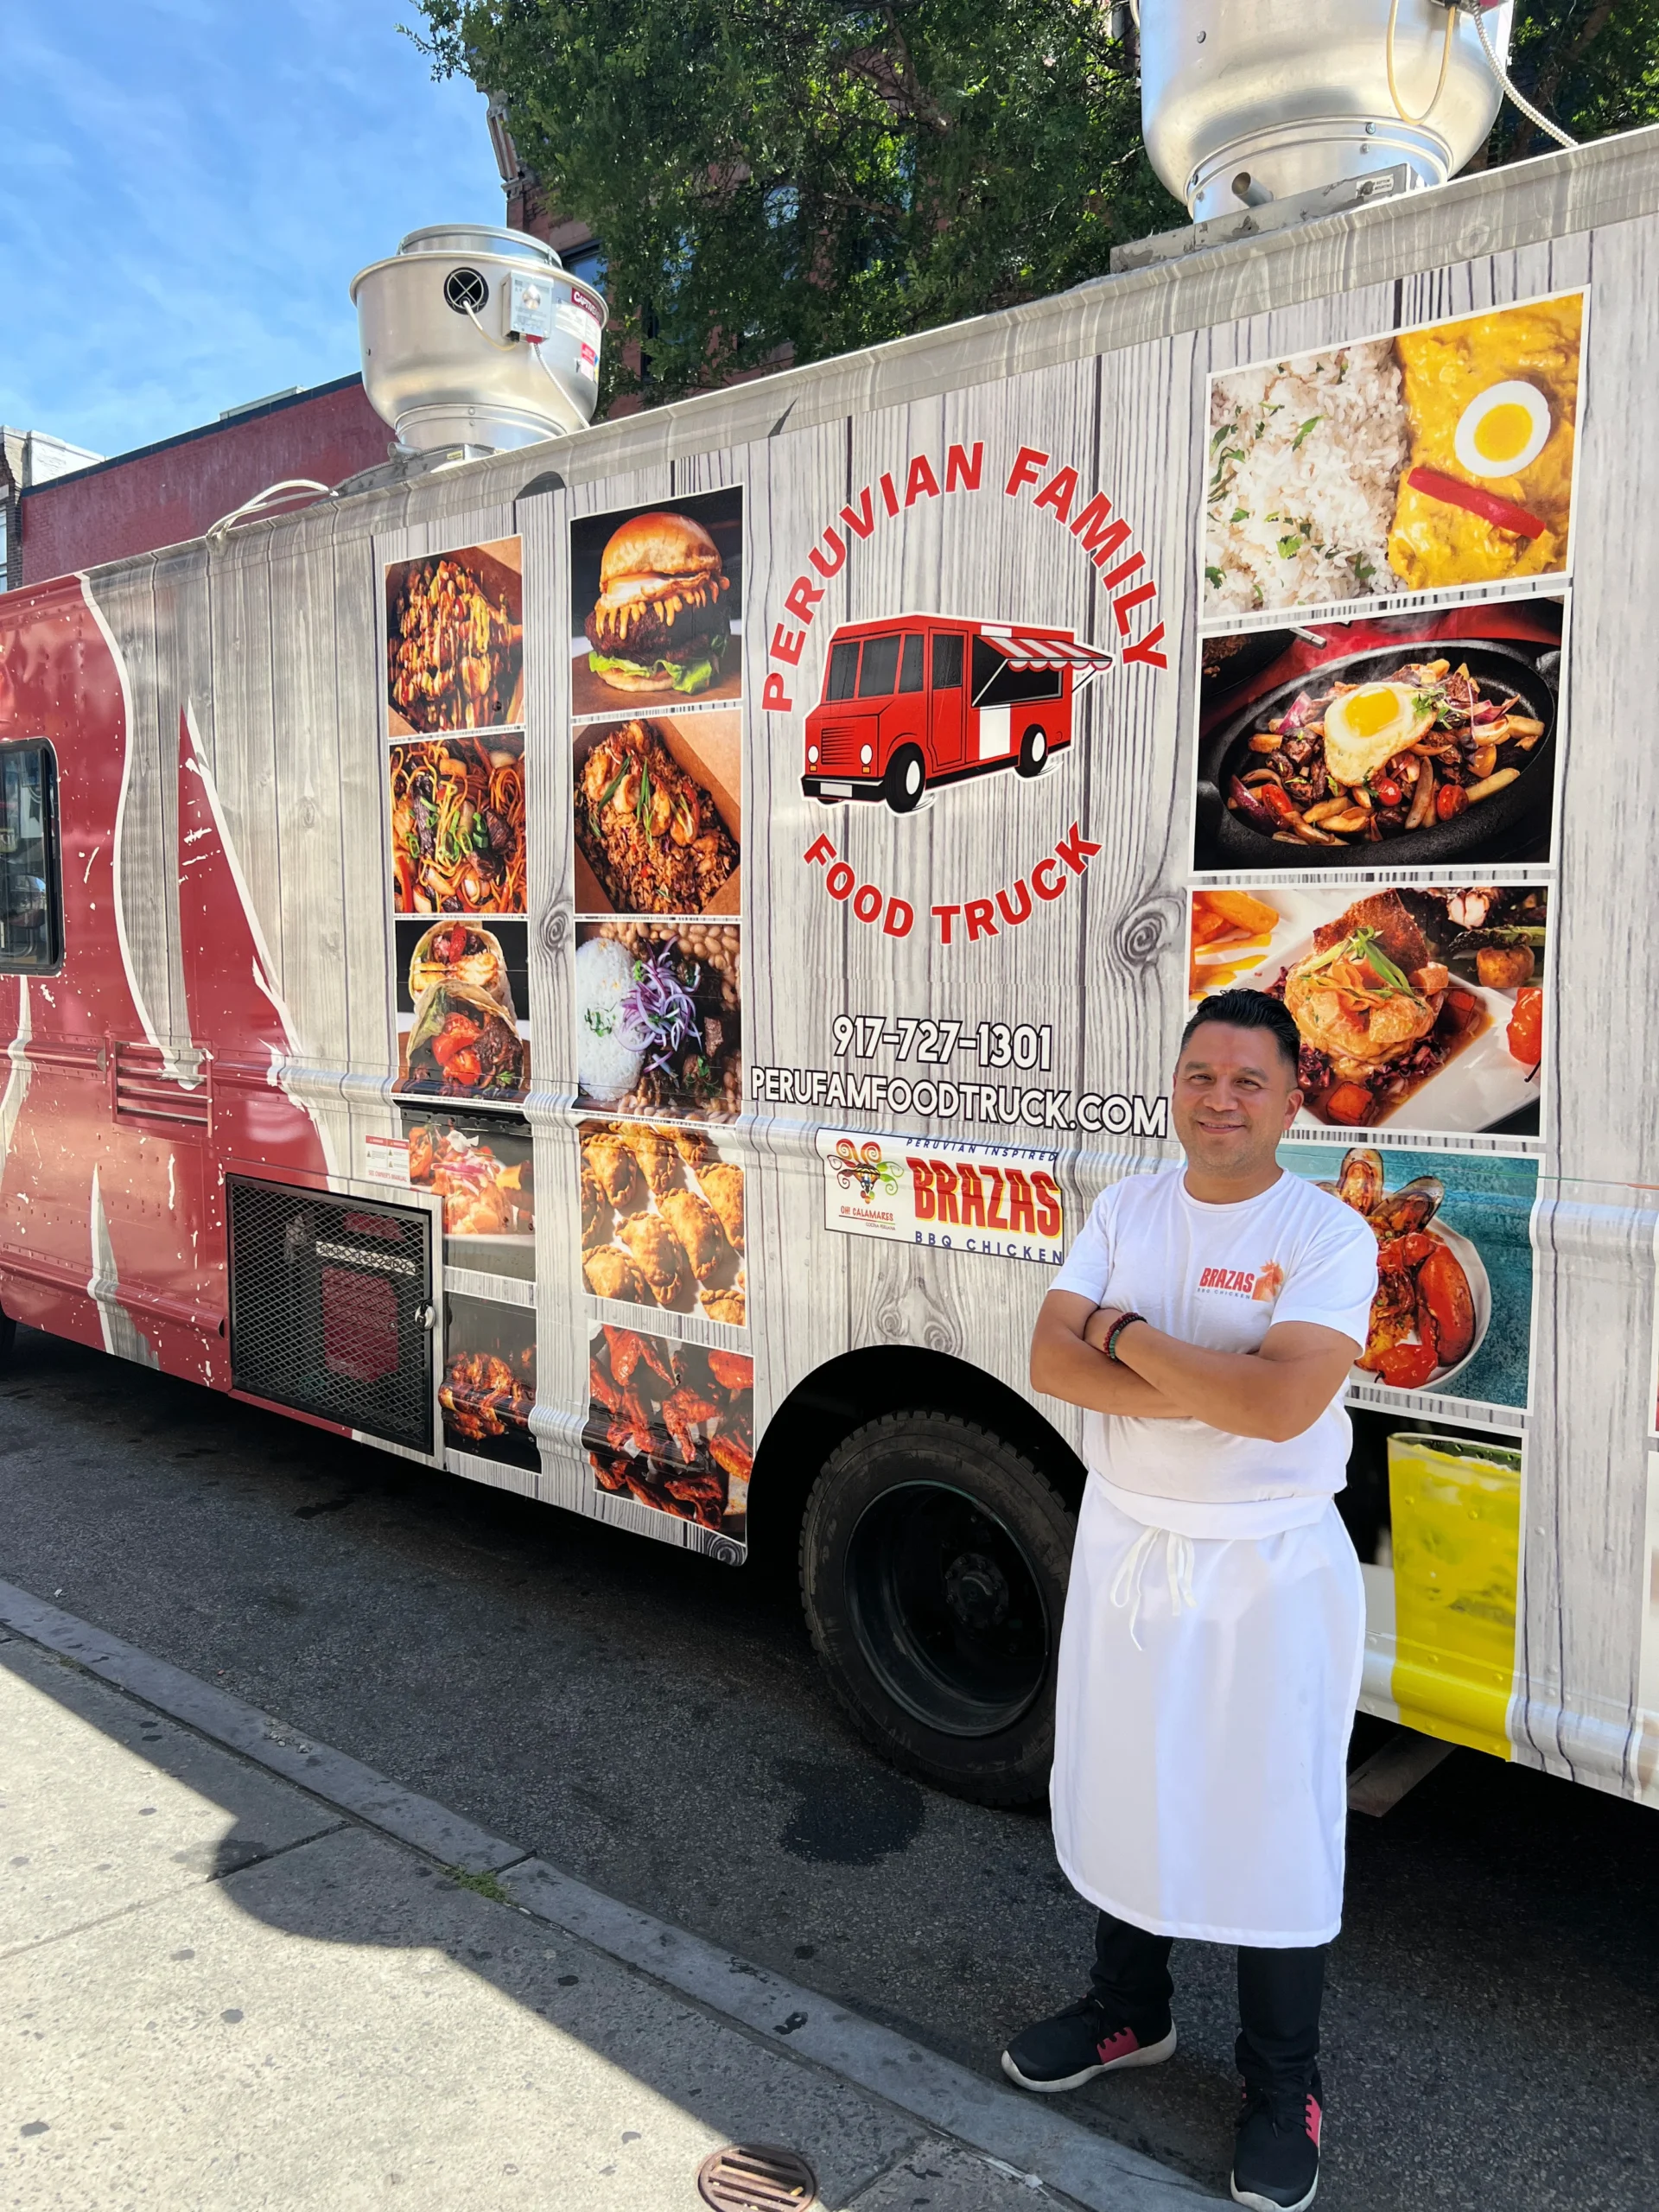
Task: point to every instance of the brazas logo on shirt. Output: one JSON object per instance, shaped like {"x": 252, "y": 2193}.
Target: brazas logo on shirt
{"x": 1262, "y": 1285}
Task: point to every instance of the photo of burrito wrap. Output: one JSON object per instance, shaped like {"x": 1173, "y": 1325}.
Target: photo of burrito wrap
{"x": 662, "y": 1219}
{"x": 1438, "y": 457}
{"x": 657, "y": 605}
{"x": 456, "y": 639}
{"x": 1418, "y": 740}
{"x": 459, "y": 987}
{"x": 658, "y": 819}
{"x": 1420, "y": 1008}
{"x": 671, "y": 1426}
{"x": 659, "y": 1019}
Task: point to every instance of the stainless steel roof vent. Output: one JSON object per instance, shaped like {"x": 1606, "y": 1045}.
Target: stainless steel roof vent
{"x": 478, "y": 338}
{"x": 1243, "y": 102}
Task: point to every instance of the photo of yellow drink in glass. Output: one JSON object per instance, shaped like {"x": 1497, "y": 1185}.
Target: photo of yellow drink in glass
{"x": 1455, "y": 1506}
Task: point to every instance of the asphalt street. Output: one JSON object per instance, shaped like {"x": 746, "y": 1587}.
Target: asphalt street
{"x": 656, "y": 1726}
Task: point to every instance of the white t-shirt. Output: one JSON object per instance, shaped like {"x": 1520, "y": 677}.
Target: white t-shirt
{"x": 1221, "y": 1276}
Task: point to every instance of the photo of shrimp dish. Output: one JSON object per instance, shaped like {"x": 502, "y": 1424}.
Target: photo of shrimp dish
{"x": 651, "y": 832}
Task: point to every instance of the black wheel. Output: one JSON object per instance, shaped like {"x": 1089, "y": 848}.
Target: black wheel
{"x": 906, "y": 779}
{"x": 934, "y": 1560}
{"x": 1033, "y": 751}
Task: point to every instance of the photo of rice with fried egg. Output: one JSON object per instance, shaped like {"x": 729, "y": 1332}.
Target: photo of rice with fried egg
{"x": 1439, "y": 457}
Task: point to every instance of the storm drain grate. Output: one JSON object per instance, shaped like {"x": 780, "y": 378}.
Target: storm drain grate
{"x": 757, "y": 2177}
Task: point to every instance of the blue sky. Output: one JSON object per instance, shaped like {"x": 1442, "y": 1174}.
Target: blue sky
{"x": 188, "y": 188}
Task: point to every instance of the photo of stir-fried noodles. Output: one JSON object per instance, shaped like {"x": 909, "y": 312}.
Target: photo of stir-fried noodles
{"x": 671, "y": 1426}
{"x": 454, "y": 641}
{"x": 458, "y": 827}
{"x": 652, "y": 832}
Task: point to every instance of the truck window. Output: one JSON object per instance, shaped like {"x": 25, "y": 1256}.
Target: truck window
{"x": 909, "y": 668}
{"x": 31, "y": 937}
{"x": 997, "y": 684}
{"x": 947, "y": 660}
{"x": 875, "y": 678}
{"x": 843, "y": 670}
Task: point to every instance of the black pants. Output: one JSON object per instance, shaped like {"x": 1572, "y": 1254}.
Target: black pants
{"x": 1279, "y": 1994}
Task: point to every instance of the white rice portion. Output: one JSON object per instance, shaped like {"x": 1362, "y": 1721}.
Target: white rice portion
{"x": 607, "y": 1067}
{"x": 1314, "y": 503}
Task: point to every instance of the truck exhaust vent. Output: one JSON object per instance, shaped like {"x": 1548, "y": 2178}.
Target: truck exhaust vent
{"x": 331, "y": 1308}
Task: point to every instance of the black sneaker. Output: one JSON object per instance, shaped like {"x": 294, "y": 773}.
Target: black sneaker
{"x": 1077, "y": 2044}
{"x": 1276, "y": 2158}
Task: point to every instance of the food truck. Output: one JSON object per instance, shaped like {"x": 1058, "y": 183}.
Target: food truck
{"x": 445, "y": 997}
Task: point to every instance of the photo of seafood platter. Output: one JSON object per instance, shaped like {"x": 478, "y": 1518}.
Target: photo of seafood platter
{"x": 458, "y": 825}
{"x": 1435, "y": 740}
{"x": 456, "y": 639}
{"x": 656, "y": 605}
{"x": 481, "y": 1166}
{"x": 489, "y": 1380}
{"x": 1453, "y": 1313}
{"x": 662, "y": 1219}
{"x": 659, "y": 1019}
{"x": 671, "y": 1426}
{"x": 658, "y": 818}
{"x": 1439, "y": 457}
{"x": 1420, "y": 1009}
{"x": 459, "y": 989}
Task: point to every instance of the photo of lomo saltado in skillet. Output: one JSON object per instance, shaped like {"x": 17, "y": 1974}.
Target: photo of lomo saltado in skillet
{"x": 651, "y": 831}
{"x": 1348, "y": 764}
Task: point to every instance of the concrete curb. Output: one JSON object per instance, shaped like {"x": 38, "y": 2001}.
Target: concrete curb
{"x": 1027, "y": 2135}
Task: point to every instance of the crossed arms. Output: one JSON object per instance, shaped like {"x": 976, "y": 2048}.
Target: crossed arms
{"x": 1274, "y": 1393}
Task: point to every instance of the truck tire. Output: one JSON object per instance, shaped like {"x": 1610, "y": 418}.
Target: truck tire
{"x": 906, "y": 779}
{"x": 934, "y": 1559}
{"x": 1033, "y": 751}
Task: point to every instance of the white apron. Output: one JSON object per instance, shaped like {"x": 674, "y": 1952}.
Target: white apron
{"x": 1206, "y": 1693}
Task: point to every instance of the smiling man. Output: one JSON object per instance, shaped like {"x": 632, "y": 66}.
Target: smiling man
{"x": 1209, "y": 1661}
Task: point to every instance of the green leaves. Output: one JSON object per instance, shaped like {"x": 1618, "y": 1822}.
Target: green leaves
{"x": 799, "y": 174}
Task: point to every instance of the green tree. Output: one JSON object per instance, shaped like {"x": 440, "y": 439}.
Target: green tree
{"x": 1593, "y": 65}
{"x": 812, "y": 174}
{"x": 823, "y": 174}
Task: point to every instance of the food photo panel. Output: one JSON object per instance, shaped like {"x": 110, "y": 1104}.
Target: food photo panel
{"x": 1436, "y": 458}
{"x": 671, "y": 1426}
{"x": 659, "y": 1030}
{"x": 657, "y": 605}
{"x": 489, "y": 1379}
{"x": 462, "y": 994}
{"x": 458, "y": 825}
{"x": 659, "y": 815}
{"x": 1428, "y": 740}
{"x": 662, "y": 1219}
{"x": 1453, "y": 1314}
{"x": 1420, "y": 1007}
{"x": 456, "y": 639}
{"x": 482, "y": 1165}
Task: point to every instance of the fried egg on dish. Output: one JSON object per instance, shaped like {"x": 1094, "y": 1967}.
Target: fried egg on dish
{"x": 1364, "y": 728}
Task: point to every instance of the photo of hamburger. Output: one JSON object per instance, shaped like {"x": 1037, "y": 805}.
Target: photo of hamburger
{"x": 660, "y": 622}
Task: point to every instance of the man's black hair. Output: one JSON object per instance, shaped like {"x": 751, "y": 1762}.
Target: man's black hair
{"x": 1249, "y": 1010}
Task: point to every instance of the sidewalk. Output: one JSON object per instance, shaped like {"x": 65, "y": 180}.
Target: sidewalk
{"x": 221, "y": 1986}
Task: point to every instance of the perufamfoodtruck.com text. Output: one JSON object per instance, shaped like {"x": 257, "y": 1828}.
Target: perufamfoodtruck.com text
{"x": 996, "y": 1105}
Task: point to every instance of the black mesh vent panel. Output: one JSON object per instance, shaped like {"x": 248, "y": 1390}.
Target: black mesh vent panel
{"x": 331, "y": 1302}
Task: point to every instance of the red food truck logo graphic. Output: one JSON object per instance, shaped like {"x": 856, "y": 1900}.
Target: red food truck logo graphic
{"x": 920, "y": 700}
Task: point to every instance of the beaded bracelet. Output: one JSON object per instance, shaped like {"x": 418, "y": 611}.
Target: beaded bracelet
{"x": 1116, "y": 1331}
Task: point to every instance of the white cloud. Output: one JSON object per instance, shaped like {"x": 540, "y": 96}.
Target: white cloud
{"x": 189, "y": 186}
